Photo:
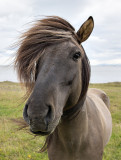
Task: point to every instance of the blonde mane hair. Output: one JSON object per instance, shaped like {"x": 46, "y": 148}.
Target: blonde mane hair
{"x": 45, "y": 32}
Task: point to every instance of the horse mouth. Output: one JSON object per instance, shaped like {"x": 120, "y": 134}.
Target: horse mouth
{"x": 40, "y": 133}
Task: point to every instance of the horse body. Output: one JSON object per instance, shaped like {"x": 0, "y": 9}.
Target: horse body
{"x": 84, "y": 136}
{"x": 55, "y": 69}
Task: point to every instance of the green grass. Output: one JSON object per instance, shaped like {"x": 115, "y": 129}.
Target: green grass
{"x": 20, "y": 145}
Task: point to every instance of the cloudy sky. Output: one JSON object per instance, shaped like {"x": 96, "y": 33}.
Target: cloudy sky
{"x": 103, "y": 46}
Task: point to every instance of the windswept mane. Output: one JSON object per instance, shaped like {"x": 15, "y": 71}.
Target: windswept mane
{"x": 45, "y": 32}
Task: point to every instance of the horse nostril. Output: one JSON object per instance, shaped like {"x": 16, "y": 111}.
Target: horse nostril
{"x": 25, "y": 115}
{"x": 49, "y": 115}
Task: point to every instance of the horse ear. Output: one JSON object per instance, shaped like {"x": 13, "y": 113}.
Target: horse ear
{"x": 85, "y": 30}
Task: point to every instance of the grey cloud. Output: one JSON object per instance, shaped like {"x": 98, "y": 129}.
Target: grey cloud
{"x": 105, "y": 42}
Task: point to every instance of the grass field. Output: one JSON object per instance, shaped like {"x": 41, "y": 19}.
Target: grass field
{"x": 20, "y": 145}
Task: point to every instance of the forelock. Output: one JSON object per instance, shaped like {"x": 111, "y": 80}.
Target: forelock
{"x": 45, "y": 32}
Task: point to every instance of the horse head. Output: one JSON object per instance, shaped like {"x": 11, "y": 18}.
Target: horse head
{"x": 54, "y": 66}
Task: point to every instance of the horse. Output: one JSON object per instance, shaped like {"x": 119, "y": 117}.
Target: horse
{"x": 55, "y": 69}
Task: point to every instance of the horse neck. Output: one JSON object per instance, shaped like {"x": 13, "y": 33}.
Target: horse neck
{"x": 75, "y": 129}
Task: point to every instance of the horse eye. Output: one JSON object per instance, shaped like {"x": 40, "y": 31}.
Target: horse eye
{"x": 76, "y": 56}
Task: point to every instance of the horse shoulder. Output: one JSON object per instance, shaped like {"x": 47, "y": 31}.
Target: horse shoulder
{"x": 99, "y": 104}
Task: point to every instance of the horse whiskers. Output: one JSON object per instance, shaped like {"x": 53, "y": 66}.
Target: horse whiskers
{"x": 20, "y": 123}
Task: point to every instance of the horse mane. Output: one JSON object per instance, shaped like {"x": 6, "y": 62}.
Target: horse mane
{"x": 45, "y": 32}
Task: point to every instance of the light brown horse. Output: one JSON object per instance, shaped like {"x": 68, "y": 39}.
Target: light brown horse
{"x": 55, "y": 69}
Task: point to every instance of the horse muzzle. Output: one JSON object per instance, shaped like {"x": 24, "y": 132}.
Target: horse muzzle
{"x": 39, "y": 123}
